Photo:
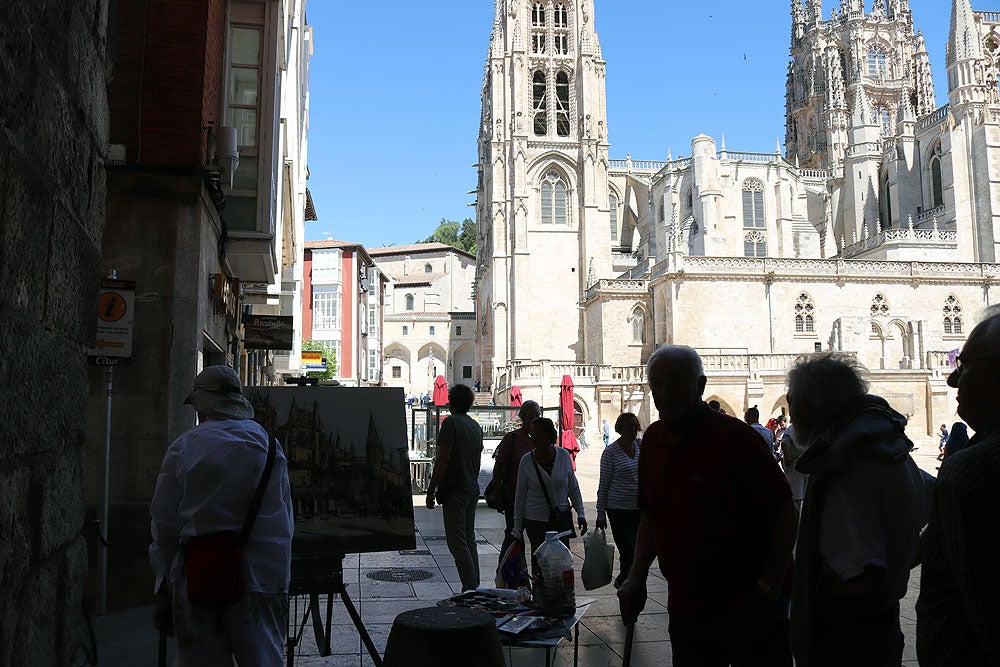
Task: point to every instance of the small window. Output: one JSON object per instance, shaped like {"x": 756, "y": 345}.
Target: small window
{"x": 754, "y": 244}
{"x": 538, "y": 43}
{"x": 372, "y": 360}
{"x": 406, "y": 330}
{"x": 397, "y": 372}
{"x": 458, "y": 329}
{"x": 538, "y": 14}
{"x": 952, "y": 315}
{"x": 561, "y": 45}
{"x": 409, "y": 302}
{"x": 613, "y": 215}
{"x": 428, "y": 268}
{"x": 432, "y": 329}
{"x": 466, "y": 372}
{"x": 560, "y": 17}
{"x": 638, "y": 325}
{"x": 880, "y": 306}
{"x": 937, "y": 192}
{"x": 804, "y": 316}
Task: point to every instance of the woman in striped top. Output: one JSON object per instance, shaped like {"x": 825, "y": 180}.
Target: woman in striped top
{"x": 618, "y": 490}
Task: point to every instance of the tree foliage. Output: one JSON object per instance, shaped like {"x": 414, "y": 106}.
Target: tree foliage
{"x": 461, "y": 235}
{"x": 328, "y": 353}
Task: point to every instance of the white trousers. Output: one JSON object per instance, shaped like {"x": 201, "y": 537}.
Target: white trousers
{"x": 253, "y": 631}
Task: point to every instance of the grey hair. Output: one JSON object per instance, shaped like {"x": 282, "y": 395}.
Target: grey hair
{"x": 685, "y": 354}
{"x": 828, "y": 382}
{"x": 528, "y": 405}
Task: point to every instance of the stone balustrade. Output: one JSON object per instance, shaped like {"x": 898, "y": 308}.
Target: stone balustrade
{"x": 933, "y": 118}
{"x": 990, "y": 18}
{"x": 929, "y": 214}
{"x": 902, "y": 236}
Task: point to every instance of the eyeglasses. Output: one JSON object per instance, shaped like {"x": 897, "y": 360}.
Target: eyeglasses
{"x": 961, "y": 363}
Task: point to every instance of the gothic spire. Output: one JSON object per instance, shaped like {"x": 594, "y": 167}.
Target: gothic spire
{"x": 963, "y": 42}
{"x": 861, "y": 112}
{"x": 814, "y": 11}
{"x": 924, "y": 84}
{"x": 798, "y": 20}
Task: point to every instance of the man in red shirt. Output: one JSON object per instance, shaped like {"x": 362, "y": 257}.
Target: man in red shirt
{"x": 717, "y": 512}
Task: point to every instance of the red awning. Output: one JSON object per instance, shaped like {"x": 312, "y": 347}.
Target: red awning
{"x": 567, "y": 410}
{"x": 515, "y": 395}
{"x": 440, "y": 391}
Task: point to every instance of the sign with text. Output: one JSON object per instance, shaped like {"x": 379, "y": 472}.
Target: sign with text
{"x": 313, "y": 360}
{"x": 267, "y": 332}
{"x": 115, "y": 308}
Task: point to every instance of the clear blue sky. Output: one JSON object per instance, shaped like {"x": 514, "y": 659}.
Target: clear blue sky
{"x": 395, "y": 96}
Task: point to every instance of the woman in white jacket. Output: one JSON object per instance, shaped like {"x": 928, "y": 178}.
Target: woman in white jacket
{"x": 546, "y": 486}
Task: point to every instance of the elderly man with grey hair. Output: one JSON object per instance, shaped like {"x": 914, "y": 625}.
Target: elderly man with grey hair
{"x": 205, "y": 486}
{"x": 865, "y": 504}
{"x": 958, "y": 611}
{"x": 717, "y": 513}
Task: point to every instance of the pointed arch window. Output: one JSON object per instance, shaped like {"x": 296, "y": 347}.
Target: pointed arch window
{"x": 428, "y": 268}
{"x": 613, "y": 216}
{"x": 638, "y": 325}
{"x": 952, "y": 315}
{"x": 554, "y": 205}
{"x": 805, "y": 316}
{"x": 877, "y": 64}
{"x": 937, "y": 191}
{"x": 880, "y": 306}
{"x": 754, "y": 244}
{"x": 561, "y": 16}
{"x": 538, "y": 85}
{"x": 538, "y": 15}
{"x": 560, "y": 21}
{"x": 562, "y": 104}
{"x": 409, "y": 302}
{"x": 753, "y": 204}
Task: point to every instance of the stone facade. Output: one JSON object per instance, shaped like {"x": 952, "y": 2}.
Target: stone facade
{"x": 430, "y": 322}
{"x": 874, "y": 232}
{"x": 53, "y": 137}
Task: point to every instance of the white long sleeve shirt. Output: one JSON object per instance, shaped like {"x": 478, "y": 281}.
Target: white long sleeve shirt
{"x": 562, "y": 485}
{"x": 206, "y": 482}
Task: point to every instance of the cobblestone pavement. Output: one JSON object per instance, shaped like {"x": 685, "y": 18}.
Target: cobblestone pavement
{"x": 126, "y": 639}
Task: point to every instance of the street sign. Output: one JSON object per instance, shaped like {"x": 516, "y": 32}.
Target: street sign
{"x": 115, "y": 308}
{"x": 313, "y": 360}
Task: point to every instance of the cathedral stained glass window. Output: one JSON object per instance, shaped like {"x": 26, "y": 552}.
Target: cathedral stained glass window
{"x": 937, "y": 191}
{"x": 876, "y": 64}
{"x": 880, "y": 306}
{"x": 753, "y": 204}
{"x": 613, "y": 215}
{"x": 638, "y": 325}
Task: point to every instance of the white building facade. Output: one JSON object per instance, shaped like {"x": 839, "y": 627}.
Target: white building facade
{"x": 874, "y": 233}
{"x": 430, "y": 322}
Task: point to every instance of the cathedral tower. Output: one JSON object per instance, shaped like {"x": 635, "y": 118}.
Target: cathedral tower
{"x": 832, "y": 59}
{"x": 543, "y": 201}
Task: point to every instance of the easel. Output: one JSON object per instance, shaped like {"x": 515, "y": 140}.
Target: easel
{"x": 315, "y": 577}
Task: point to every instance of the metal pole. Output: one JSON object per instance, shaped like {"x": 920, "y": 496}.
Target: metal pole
{"x": 102, "y": 549}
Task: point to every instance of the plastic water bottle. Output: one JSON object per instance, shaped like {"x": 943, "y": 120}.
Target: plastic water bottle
{"x": 555, "y": 594}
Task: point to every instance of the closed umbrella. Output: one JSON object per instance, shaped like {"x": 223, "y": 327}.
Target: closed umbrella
{"x": 440, "y": 391}
{"x": 515, "y": 399}
{"x": 567, "y": 411}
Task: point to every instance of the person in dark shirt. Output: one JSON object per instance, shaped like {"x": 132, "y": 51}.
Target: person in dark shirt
{"x": 508, "y": 455}
{"x": 958, "y": 611}
{"x": 717, "y": 513}
{"x": 455, "y": 481}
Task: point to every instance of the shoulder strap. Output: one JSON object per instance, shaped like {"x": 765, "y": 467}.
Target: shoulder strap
{"x": 545, "y": 489}
{"x": 259, "y": 493}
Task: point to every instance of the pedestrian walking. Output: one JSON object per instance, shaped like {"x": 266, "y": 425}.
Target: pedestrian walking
{"x": 618, "y": 489}
{"x": 605, "y": 432}
{"x": 508, "y": 454}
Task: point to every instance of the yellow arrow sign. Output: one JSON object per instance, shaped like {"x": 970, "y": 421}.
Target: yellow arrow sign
{"x": 101, "y": 344}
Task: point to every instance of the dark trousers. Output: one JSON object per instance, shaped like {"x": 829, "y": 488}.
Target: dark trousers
{"x": 754, "y": 634}
{"x": 859, "y": 639}
{"x": 459, "y": 513}
{"x": 536, "y": 535}
{"x": 624, "y": 526}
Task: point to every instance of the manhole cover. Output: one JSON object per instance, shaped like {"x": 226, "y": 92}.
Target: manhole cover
{"x": 399, "y": 575}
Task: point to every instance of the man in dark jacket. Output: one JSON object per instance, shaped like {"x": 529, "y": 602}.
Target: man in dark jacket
{"x": 865, "y": 504}
{"x": 958, "y": 612}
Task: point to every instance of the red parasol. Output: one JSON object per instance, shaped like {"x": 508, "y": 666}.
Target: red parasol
{"x": 567, "y": 410}
{"x": 515, "y": 395}
{"x": 440, "y": 391}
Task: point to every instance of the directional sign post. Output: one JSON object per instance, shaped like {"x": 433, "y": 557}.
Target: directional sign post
{"x": 113, "y": 348}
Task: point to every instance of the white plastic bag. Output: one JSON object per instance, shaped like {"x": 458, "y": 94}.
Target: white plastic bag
{"x": 598, "y": 560}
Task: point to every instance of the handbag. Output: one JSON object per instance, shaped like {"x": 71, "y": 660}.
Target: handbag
{"x": 490, "y": 496}
{"x": 213, "y": 563}
{"x": 559, "y": 520}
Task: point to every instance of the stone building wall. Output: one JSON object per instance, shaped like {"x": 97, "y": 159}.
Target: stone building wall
{"x": 53, "y": 137}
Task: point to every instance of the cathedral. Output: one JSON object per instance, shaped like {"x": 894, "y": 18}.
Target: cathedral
{"x": 874, "y": 232}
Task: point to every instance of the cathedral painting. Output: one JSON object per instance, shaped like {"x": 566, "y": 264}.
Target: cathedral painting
{"x": 347, "y": 463}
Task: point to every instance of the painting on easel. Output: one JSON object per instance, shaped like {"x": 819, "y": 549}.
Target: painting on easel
{"x": 347, "y": 463}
